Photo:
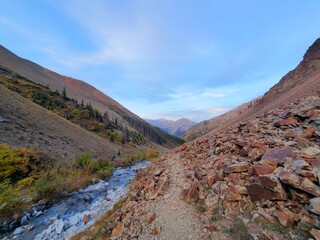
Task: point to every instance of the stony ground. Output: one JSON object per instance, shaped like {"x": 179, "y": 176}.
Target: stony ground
{"x": 257, "y": 180}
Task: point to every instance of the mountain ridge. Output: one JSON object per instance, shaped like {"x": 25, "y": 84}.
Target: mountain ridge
{"x": 175, "y": 128}
{"x": 81, "y": 91}
{"x": 300, "y": 82}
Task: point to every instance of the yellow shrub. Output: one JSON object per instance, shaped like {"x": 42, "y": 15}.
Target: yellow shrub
{"x": 152, "y": 153}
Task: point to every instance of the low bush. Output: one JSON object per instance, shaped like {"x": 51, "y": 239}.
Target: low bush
{"x": 152, "y": 153}
{"x": 27, "y": 176}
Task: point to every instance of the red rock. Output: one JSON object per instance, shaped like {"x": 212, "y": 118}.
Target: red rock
{"x": 260, "y": 145}
{"x": 220, "y": 188}
{"x": 156, "y": 231}
{"x": 315, "y": 233}
{"x": 85, "y": 219}
{"x": 308, "y": 132}
{"x": 280, "y": 155}
{"x": 211, "y": 201}
{"x": 238, "y": 167}
{"x": 310, "y": 152}
{"x": 299, "y": 196}
{"x": 118, "y": 231}
{"x": 270, "y": 163}
{"x": 149, "y": 185}
{"x": 233, "y": 195}
{"x": 213, "y": 227}
{"x": 283, "y": 218}
{"x": 256, "y": 153}
{"x": 162, "y": 185}
{"x": 286, "y": 122}
{"x": 312, "y": 176}
{"x": 290, "y": 178}
{"x": 309, "y": 187}
{"x": 272, "y": 183}
{"x": 189, "y": 192}
{"x": 254, "y": 231}
{"x": 211, "y": 178}
{"x": 151, "y": 216}
{"x": 259, "y": 193}
{"x": 262, "y": 170}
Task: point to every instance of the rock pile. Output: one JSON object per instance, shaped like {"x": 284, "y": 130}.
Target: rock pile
{"x": 266, "y": 170}
{"x": 258, "y": 180}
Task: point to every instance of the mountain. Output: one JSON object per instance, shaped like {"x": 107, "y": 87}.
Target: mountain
{"x": 303, "y": 81}
{"x": 175, "y": 128}
{"x": 83, "y": 92}
{"x": 255, "y": 177}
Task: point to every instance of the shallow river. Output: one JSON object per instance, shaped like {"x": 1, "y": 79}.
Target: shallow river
{"x": 68, "y": 217}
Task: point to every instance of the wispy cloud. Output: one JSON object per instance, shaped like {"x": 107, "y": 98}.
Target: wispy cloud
{"x": 206, "y": 93}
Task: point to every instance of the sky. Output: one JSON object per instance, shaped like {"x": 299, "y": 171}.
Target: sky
{"x": 165, "y": 58}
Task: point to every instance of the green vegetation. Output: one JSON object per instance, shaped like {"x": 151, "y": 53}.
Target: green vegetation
{"x": 276, "y": 227}
{"x": 27, "y": 176}
{"x": 239, "y": 229}
{"x": 81, "y": 114}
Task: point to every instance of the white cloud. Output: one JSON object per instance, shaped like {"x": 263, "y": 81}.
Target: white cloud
{"x": 206, "y": 93}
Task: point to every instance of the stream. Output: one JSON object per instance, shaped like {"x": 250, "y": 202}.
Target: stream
{"x": 78, "y": 211}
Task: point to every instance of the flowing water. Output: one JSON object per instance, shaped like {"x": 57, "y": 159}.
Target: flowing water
{"x": 66, "y": 218}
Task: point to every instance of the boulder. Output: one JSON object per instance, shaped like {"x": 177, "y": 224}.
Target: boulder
{"x": 310, "y": 152}
{"x": 286, "y": 122}
{"x": 309, "y": 187}
{"x": 238, "y": 167}
{"x": 262, "y": 170}
{"x": 280, "y": 154}
{"x": 118, "y": 230}
{"x": 259, "y": 193}
{"x": 300, "y": 165}
{"x": 283, "y": 218}
{"x": 211, "y": 178}
{"x": 290, "y": 178}
{"x": 272, "y": 183}
{"x": 232, "y": 194}
{"x": 269, "y": 162}
{"x": 315, "y": 233}
{"x": 189, "y": 192}
{"x": 162, "y": 185}
{"x": 315, "y": 205}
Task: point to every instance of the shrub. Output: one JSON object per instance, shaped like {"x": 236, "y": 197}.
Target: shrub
{"x": 85, "y": 161}
{"x": 152, "y": 153}
{"x": 17, "y": 163}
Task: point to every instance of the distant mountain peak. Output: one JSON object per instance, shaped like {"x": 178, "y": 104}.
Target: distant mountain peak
{"x": 176, "y": 128}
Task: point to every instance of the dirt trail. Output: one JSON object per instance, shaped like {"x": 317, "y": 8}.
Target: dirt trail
{"x": 177, "y": 219}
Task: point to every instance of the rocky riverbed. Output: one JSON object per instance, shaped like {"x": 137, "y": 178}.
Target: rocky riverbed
{"x": 77, "y": 212}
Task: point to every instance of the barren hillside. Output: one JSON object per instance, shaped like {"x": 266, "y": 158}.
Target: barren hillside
{"x": 25, "y": 124}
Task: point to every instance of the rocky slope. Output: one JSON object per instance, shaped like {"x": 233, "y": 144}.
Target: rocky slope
{"x": 301, "y": 82}
{"x": 258, "y": 179}
{"x": 207, "y": 126}
{"x": 175, "y": 128}
{"x": 82, "y": 91}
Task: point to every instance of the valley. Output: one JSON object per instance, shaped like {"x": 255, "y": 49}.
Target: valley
{"x": 102, "y": 161}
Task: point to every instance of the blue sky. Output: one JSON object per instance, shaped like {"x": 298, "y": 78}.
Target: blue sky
{"x": 172, "y": 59}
